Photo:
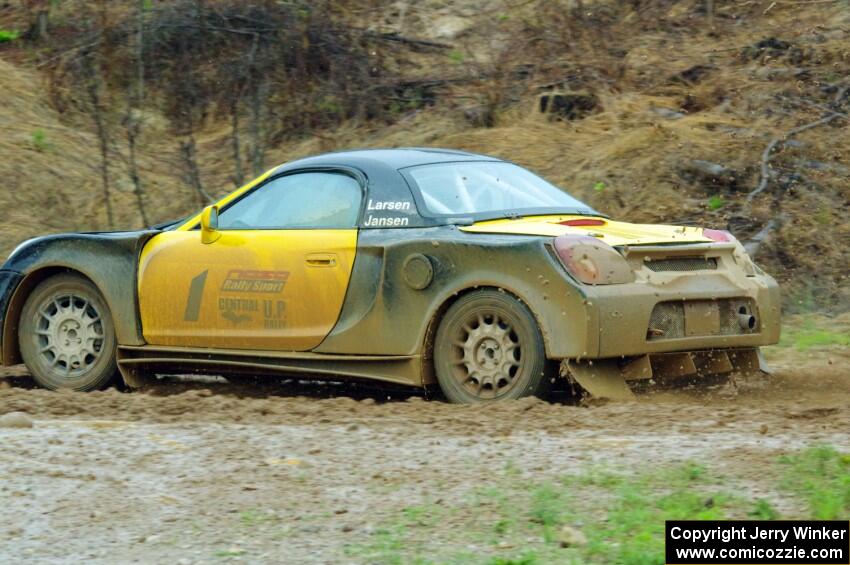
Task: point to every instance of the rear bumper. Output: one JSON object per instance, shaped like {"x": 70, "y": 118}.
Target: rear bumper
{"x": 622, "y": 314}
{"x": 9, "y": 281}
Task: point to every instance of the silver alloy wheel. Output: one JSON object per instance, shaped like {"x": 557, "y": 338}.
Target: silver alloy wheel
{"x": 488, "y": 355}
{"x": 70, "y": 335}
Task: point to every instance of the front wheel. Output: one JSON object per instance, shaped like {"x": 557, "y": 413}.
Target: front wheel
{"x": 488, "y": 347}
{"x": 66, "y": 336}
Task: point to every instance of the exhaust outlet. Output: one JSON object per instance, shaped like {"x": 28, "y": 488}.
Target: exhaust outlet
{"x": 746, "y": 321}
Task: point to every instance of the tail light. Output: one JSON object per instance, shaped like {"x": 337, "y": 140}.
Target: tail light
{"x": 591, "y": 261}
{"x": 582, "y": 222}
{"x": 740, "y": 255}
{"x": 720, "y": 236}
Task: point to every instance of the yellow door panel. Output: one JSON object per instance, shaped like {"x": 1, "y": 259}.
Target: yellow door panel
{"x": 255, "y": 289}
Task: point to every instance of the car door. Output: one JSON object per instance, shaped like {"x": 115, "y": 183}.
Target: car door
{"x": 276, "y": 277}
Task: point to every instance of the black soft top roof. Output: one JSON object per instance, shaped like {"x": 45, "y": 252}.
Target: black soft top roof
{"x": 373, "y": 161}
{"x": 390, "y": 200}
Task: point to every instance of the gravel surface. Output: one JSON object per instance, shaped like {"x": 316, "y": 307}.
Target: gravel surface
{"x": 202, "y": 472}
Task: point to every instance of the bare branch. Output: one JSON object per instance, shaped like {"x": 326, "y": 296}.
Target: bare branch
{"x": 133, "y": 118}
{"x": 839, "y": 95}
{"x": 90, "y": 71}
{"x": 407, "y": 40}
{"x": 753, "y": 245}
{"x": 775, "y": 142}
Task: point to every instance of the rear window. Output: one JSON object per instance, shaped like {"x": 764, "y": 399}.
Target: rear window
{"x": 470, "y": 188}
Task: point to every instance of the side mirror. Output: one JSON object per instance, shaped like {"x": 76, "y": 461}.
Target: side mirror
{"x": 209, "y": 224}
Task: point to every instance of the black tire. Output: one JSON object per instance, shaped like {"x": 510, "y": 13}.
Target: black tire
{"x": 66, "y": 335}
{"x": 488, "y": 347}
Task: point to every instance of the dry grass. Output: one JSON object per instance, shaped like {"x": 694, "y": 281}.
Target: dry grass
{"x": 626, "y": 160}
{"x": 50, "y": 169}
{"x": 32, "y": 134}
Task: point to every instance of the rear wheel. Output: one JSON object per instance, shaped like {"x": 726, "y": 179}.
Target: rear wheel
{"x": 488, "y": 347}
{"x": 66, "y": 335}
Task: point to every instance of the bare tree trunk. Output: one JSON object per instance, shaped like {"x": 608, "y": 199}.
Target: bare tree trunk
{"x": 258, "y": 149}
{"x": 133, "y": 131}
{"x": 38, "y": 25}
{"x": 133, "y": 119}
{"x": 188, "y": 151}
{"x": 257, "y": 145}
{"x": 39, "y": 28}
{"x": 239, "y": 175}
{"x": 93, "y": 89}
{"x": 187, "y": 106}
{"x": 140, "y": 51}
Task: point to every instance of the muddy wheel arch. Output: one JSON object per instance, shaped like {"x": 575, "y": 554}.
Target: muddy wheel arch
{"x": 108, "y": 261}
{"x": 428, "y": 375}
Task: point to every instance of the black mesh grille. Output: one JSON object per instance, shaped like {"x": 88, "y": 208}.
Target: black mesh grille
{"x": 667, "y": 320}
{"x": 682, "y": 264}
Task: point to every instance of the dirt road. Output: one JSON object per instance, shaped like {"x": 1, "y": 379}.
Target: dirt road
{"x": 206, "y": 472}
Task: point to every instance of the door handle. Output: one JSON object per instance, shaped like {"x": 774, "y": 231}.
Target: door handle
{"x": 321, "y": 260}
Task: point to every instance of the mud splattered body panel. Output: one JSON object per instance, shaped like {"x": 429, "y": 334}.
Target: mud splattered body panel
{"x": 364, "y": 302}
{"x": 577, "y": 321}
{"x": 109, "y": 260}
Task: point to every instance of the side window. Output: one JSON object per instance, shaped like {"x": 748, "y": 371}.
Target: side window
{"x": 301, "y": 200}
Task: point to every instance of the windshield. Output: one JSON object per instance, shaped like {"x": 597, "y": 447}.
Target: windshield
{"x": 488, "y": 187}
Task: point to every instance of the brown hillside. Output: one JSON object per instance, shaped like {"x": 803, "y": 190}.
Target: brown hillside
{"x": 680, "y": 106}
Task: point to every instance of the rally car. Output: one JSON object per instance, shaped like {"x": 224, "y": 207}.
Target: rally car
{"x": 407, "y": 266}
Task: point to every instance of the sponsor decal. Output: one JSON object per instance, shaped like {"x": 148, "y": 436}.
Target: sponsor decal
{"x": 234, "y": 309}
{"x": 240, "y": 310}
{"x": 243, "y": 310}
{"x": 383, "y": 205}
{"x": 235, "y": 318}
{"x": 241, "y": 280}
{"x": 387, "y": 221}
{"x": 196, "y": 293}
{"x": 373, "y": 222}
{"x": 274, "y": 314}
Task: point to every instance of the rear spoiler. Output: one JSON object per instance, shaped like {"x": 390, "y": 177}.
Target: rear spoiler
{"x": 675, "y": 249}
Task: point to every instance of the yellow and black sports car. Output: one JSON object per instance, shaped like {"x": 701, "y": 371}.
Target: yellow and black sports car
{"x": 410, "y": 266}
